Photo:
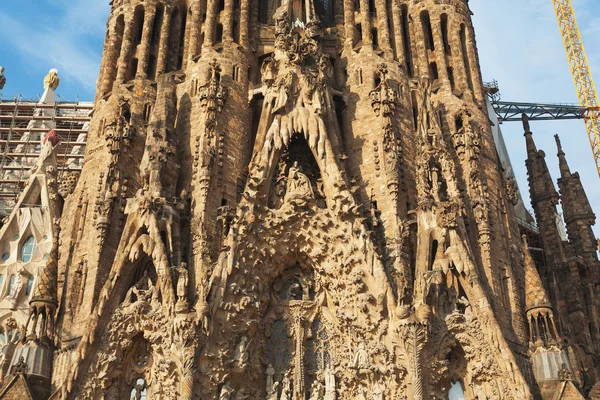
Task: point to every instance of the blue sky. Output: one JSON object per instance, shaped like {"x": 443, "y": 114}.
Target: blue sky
{"x": 519, "y": 45}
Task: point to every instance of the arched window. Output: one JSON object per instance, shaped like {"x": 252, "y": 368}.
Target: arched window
{"x": 29, "y": 285}
{"x": 27, "y": 249}
{"x": 457, "y": 392}
{"x": 317, "y": 348}
{"x": 1, "y": 282}
{"x": 279, "y": 346}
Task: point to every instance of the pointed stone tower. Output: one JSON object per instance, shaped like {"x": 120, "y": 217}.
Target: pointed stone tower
{"x": 296, "y": 199}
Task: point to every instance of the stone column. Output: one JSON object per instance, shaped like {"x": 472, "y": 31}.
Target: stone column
{"x": 349, "y": 25}
{"x": 163, "y": 50}
{"x": 398, "y": 39}
{"x": 126, "y": 50}
{"x": 144, "y": 47}
{"x": 420, "y": 53}
{"x": 474, "y": 64}
{"x": 227, "y": 21}
{"x": 187, "y": 32}
{"x": 211, "y": 21}
{"x": 383, "y": 29}
{"x": 367, "y": 38}
{"x": 244, "y": 23}
{"x": 458, "y": 63}
{"x": 196, "y": 29}
{"x": 111, "y": 58}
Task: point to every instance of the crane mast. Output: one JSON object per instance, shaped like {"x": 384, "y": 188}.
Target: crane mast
{"x": 582, "y": 75}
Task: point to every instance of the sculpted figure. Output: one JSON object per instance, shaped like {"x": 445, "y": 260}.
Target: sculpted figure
{"x": 286, "y": 392}
{"x": 182, "y": 283}
{"x": 316, "y": 391}
{"x": 240, "y": 358}
{"x": 298, "y": 183}
{"x": 272, "y": 395}
{"x": 330, "y": 393}
{"x": 361, "y": 357}
{"x": 226, "y": 392}
{"x": 51, "y": 81}
{"x": 377, "y": 392}
{"x": 270, "y": 372}
{"x": 16, "y": 289}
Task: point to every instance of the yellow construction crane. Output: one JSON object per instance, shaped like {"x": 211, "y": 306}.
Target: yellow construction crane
{"x": 580, "y": 68}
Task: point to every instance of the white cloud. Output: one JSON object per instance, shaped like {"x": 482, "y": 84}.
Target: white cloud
{"x": 62, "y": 42}
{"x": 521, "y": 47}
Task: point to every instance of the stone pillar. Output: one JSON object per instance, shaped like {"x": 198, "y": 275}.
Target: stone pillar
{"x": 367, "y": 38}
{"x": 420, "y": 53}
{"x": 474, "y": 64}
{"x": 144, "y": 47}
{"x": 349, "y": 25}
{"x": 398, "y": 39}
{"x": 126, "y": 50}
{"x": 211, "y": 21}
{"x": 111, "y": 57}
{"x": 196, "y": 29}
{"x": 458, "y": 63}
{"x": 245, "y": 23}
{"x": 383, "y": 30}
{"x": 227, "y": 21}
{"x": 163, "y": 51}
{"x": 187, "y": 32}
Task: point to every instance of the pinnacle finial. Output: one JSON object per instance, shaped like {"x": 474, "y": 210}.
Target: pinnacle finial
{"x": 51, "y": 81}
{"x": 526, "y": 126}
{"x": 559, "y": 145}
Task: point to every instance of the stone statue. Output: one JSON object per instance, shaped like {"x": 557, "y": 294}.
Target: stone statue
{"x": 226, "y": 392}
{"x": 16, "y": 288}
{"x": 377, "y": 392}
{"x": 51, "y": 81}
{"x": 272, "y": 395}
{"x": 361, "y": 357}
{"x": 240, "y": 358}
{"x": 330, "y": 391}
{"x": 270, "y": 372}
{"x": 286, "y": 392}
{"x": 298, "y": 184}
{"x": 316, "y": 391}
{"x": 182, "y": 283}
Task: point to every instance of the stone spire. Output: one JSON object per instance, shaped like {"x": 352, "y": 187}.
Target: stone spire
{"x": 562, "y": 160}
{"x": 578, "y": 213}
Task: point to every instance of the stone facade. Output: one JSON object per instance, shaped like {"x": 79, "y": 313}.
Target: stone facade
{"x": 302, "y": 200}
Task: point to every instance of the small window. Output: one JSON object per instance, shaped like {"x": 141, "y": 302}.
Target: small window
{"x": 1, "y": 282}
{"x": 16, "y": 237}
{"x": 5, "y": 256}
{"x": 29, "y": 285}
{"x": 27, "y": 249}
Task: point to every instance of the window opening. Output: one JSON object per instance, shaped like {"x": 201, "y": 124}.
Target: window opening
{"x": 27, "y": 249}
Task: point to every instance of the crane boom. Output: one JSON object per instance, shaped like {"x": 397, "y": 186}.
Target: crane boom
{"x": 582, "y": 75}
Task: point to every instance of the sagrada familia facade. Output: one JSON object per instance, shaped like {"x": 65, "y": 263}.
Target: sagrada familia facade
{"x": 296, "y": 199}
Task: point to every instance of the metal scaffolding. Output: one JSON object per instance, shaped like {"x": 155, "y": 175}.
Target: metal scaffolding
{"x": 24, "y": 124}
